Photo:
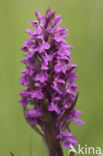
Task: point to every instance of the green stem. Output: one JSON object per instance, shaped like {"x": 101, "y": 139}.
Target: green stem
{"x": 72, "y": 154}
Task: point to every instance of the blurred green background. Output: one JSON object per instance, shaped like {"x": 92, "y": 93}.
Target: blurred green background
{"x": 84, "y": 19}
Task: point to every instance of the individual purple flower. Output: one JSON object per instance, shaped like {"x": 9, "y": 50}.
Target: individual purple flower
{"x": 49, "y": 78}
{"x": 42, "y": 77}
{"x": 36, "y": 94}
{"x": 67, "y": 139}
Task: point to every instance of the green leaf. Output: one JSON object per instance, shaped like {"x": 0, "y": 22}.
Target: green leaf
{"x": 12, "y": 153}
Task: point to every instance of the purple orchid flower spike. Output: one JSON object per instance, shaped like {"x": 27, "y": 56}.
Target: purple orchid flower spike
{"x": 49, "y": 79}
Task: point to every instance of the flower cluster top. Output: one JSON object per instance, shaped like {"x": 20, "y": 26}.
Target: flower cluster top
{"x": 49, "y": 79}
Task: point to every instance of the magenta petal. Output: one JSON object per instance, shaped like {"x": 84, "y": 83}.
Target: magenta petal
{"x": 38, "y": 15}
{"x": 59, "y": 68}
{"x": 58, "y": 20}
{"x": 34, "y": 113}
{"x": 29, "y": 31}
{"x": 46, "y": 45}
{"x": 36, "y": 94}
{"x": 54, "y": 108}
{"x": 41, "y": 77}
{"x": 79, "y": 122}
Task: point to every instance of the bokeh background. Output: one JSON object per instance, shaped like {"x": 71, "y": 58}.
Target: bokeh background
{"x": 84, "y": 19}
